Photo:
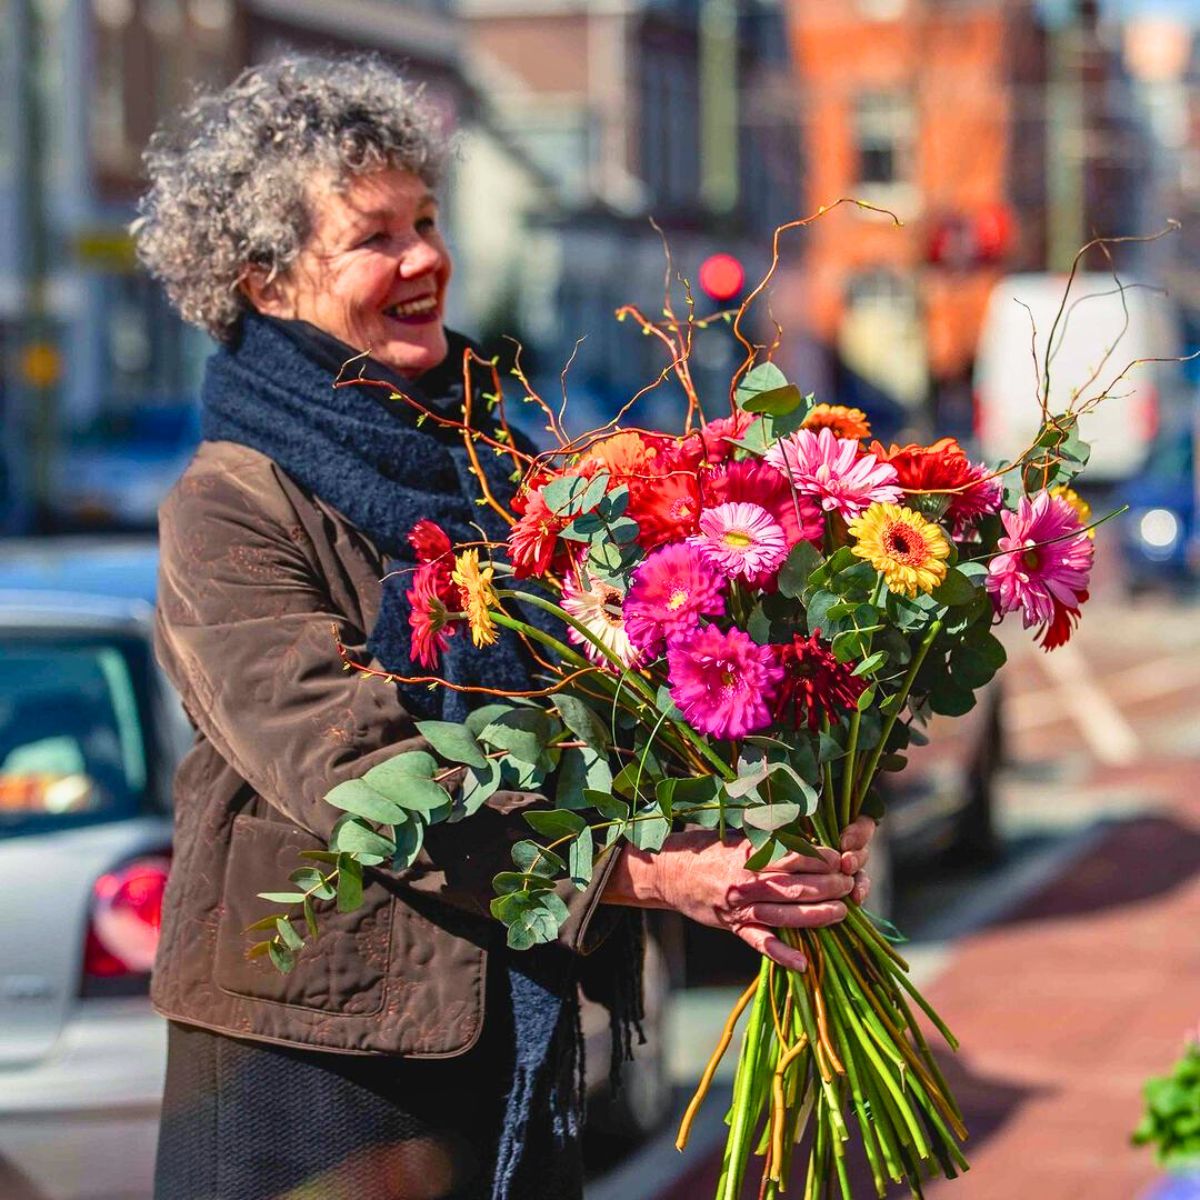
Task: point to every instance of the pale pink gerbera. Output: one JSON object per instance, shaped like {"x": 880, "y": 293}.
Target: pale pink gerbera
{"x": 597, "y": 607}
{"x": 837, "y": 472}
{"x": 742, "y": 539}
{"x": 671, "y": 590}
{"x": 756, "y": 482}
{"x": 1046, "y": 560}
{"x": 723, "y": 683}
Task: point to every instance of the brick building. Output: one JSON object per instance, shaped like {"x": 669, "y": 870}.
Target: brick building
{"x": 994, "y": 138}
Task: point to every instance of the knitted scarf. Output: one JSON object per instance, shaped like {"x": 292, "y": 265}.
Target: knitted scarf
{"x": 366, "y": 455}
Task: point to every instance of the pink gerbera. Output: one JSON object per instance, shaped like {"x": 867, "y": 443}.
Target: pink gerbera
{"x": 742, "y": 539}
{"x": 757, "y": 482}
{"x": 1045, "y": 564}
{"x": 670, "y": 591}
{"x": 837, "y": 472}
{"x": 723, "y": 683}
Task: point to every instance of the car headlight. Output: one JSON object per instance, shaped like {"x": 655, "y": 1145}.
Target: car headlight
{"x": 1159, "y": 528}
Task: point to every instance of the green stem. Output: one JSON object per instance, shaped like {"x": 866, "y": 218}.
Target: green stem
{"x": 736, "y": 1148}
{"x": 848, "y": 771}
{"x": 898, "y": 703}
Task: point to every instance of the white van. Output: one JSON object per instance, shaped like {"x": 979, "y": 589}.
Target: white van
{"x": 1094, "y": 325}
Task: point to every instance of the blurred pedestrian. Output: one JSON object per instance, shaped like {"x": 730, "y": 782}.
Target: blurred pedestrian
{"x": 409, "y": 1054}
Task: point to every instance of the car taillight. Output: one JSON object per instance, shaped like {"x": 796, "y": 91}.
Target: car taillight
{"x": 122, "y": 933}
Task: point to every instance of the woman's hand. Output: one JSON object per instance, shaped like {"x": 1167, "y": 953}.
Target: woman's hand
{"x": 705, "y": 878}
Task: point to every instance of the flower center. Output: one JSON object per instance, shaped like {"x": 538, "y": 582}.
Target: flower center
{"x": 678, "y": 599}
{"x": 904, "y": 544}
{"x": 610, "y": 607}
{"x": 1031, "y": 559}
{"x": 738, "y": 538}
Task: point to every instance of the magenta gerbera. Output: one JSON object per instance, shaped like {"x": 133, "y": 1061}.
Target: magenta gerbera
{"x": 723, "y": 683}
{"x": 669, "y": 593}
{"x": 836, "y": 472}
{"x": 742, "y": 540}
{"x": 1046, "y": 560}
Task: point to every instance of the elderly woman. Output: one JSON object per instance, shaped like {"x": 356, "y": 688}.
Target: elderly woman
{"x": 409, "y": 1054}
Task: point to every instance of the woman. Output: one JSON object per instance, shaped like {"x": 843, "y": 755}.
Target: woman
{"x": 409, "y": 1054}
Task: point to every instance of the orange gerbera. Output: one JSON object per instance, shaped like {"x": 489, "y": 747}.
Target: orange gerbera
{"x": 966, "y": 491}
{"x": 845, "y": 422}
{"x": 627, "y": 455}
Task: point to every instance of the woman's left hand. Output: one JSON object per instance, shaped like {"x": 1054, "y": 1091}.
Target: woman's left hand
{"x": 856, "y": 850}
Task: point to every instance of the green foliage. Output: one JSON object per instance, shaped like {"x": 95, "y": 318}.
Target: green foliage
{"x": 1172, "y": 1119}
{"x": 452, "y": 741}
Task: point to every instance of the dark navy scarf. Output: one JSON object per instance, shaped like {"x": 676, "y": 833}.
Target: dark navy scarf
{"x": 365, "y": 454}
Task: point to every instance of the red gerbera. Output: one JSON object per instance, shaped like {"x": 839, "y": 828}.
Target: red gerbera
{"x": 754, "y": 482}
{"x": 434, "y": 552}
{"x": 667, "y": 509}
{"x": 944, "y": 467}
{"x": 429, "y": 541}
{"x": 429, "y": 615}
{"x": 1058, "y": 631}
{"x": 814, "y": 683}
{"x": 532, "y": 540}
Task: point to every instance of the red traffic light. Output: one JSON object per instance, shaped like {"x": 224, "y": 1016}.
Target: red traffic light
{"x": 721, "y": 276}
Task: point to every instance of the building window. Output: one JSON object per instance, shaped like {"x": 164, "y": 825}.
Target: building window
{"x": 884, "y": 124}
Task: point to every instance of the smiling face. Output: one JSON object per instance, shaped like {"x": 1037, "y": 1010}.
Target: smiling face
{"x": 373, "y": 273}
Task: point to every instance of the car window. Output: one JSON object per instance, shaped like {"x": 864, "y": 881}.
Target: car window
{"x": 72, "y": 731}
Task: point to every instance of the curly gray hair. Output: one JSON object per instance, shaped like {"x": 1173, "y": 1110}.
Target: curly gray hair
{"x": 229, "y": 182}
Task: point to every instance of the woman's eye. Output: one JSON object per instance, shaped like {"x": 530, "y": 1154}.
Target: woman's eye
{"x": 427, "y": 223}
{"x": 373, "y": 239}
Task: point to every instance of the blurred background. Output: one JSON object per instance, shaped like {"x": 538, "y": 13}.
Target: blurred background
{"x": 1040, "y": 855}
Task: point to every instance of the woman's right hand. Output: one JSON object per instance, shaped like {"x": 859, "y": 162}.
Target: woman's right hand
{"x": 704, "y": 877}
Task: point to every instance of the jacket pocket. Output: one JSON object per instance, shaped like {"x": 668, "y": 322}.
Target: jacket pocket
{"x": 342, "y": 971}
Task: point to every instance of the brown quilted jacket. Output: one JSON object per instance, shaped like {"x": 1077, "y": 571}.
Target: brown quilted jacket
{"x": 255, "y": 574}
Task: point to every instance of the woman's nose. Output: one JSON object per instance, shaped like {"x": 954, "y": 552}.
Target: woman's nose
{"x": 419, "y": 258}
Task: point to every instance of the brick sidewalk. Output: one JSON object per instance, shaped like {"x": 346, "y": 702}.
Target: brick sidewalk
{"x": 1066, "y": 1006}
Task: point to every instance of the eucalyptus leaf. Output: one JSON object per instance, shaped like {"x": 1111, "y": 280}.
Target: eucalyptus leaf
{"x": 775, "y": 402}
{"x": 523, "y": 733}
{"x": 802, "y": 560}
{"x": 287, "y": 931}
{"x": 283, "y": 958}
{"x": 648, "y": 831}
{"x": 360, "y": 798}
{"x": 453, "y": 742}
{"x": 409, "y": 839}
{"x": 582, "y": 720}
{"x": 765, "y": 377}
{"x": 353, "y": 837}
{"x": 529, "y": 856}
{"x": 771, "y": 816}
{"x": 579, "y": 858}
{"x": 349, "y": 883}
{"x": 554, "y": 822}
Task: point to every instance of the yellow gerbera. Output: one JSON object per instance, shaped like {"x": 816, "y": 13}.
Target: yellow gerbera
{"x": 845, "y": 422}
{"x": 907, "y": 550}
{"x": 1077, "y": 502}
{"x": 479, "y": 596}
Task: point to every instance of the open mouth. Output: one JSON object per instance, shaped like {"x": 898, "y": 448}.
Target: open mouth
{"x": 414, "y": 312}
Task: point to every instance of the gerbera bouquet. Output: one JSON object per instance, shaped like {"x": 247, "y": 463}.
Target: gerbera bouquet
{"x": 745, "y": 623}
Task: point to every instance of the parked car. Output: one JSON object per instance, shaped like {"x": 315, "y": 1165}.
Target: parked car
{"x": 1159, "y": 534}
{"x": 1099, "y": 319}
{"x": 90, "y": 734}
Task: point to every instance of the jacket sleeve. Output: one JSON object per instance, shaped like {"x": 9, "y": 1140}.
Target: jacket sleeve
{"x": 246, "y": 631}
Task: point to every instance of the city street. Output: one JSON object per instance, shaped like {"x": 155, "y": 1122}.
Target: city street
{"x": 1070, "y": 970}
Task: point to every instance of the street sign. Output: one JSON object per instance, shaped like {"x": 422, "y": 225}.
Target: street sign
{"x": 106, "y": 249}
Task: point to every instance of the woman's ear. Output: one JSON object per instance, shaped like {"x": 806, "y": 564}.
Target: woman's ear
{"x": 267, "y": 292}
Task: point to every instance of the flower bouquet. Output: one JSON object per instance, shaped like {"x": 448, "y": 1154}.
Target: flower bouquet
{"x": 741, "y": 626}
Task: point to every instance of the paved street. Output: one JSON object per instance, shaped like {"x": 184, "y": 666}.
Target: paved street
{"x": 1071, "y": 969}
